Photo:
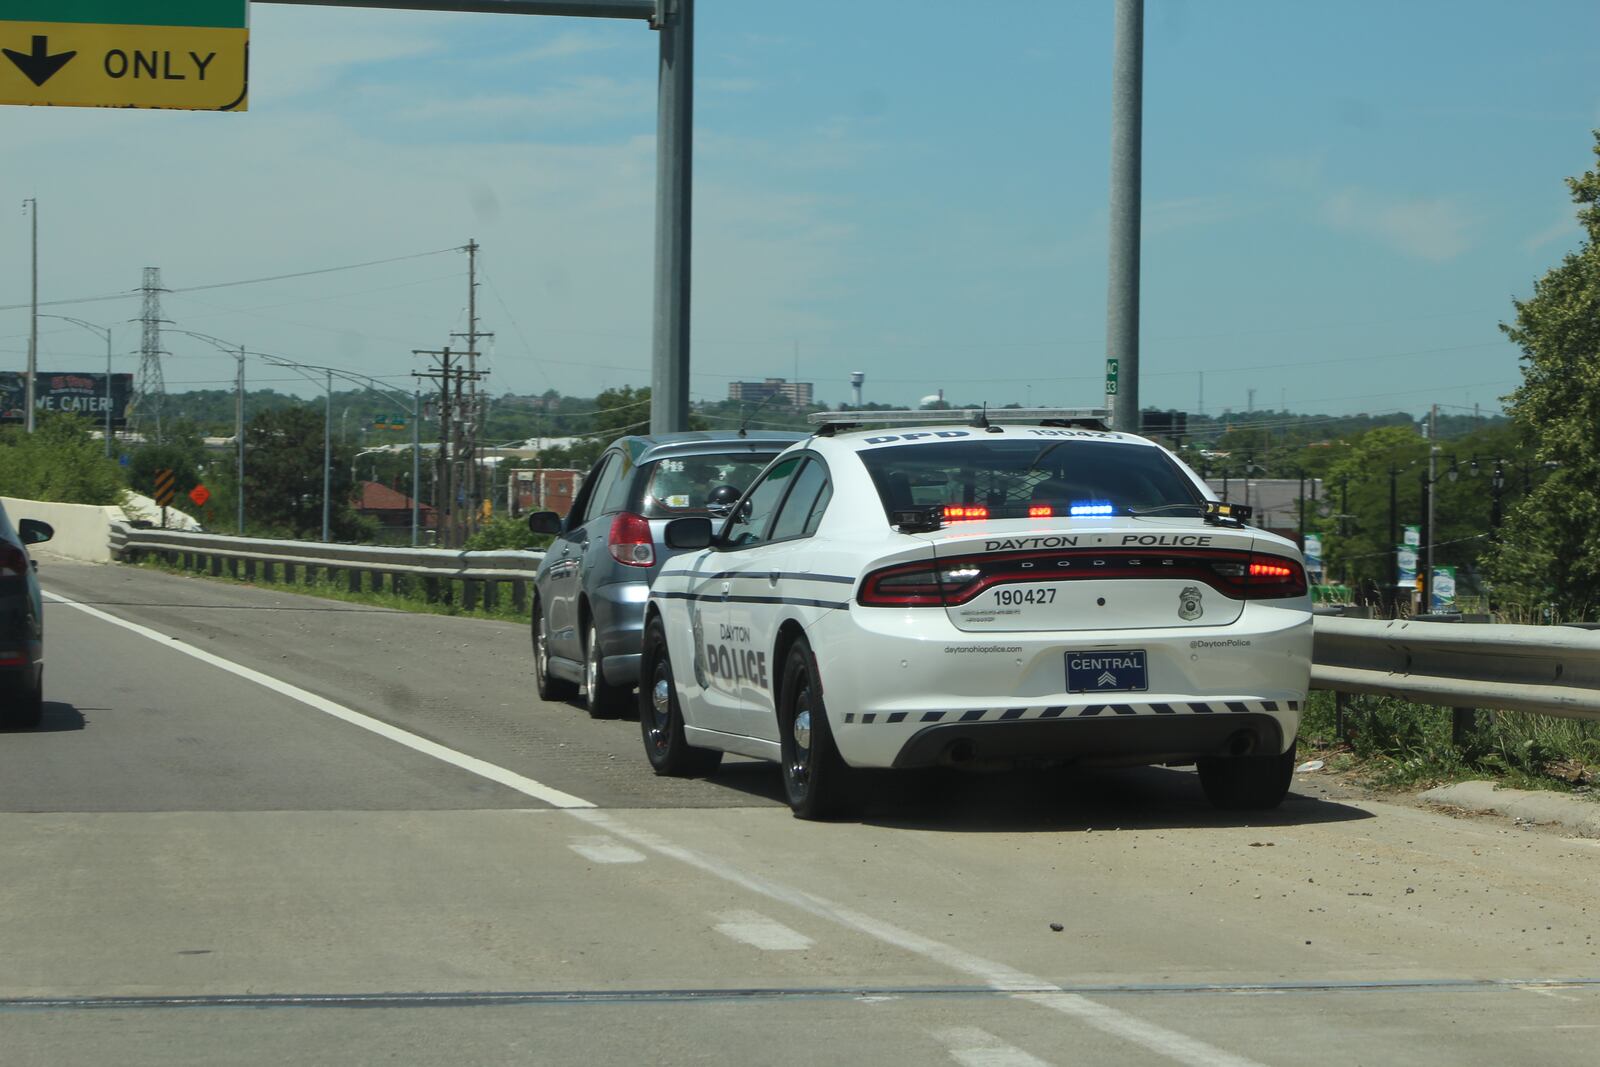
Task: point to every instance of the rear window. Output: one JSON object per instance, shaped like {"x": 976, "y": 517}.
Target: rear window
{"x": 1015, "y": 478}
{"x": 683, "y": 485}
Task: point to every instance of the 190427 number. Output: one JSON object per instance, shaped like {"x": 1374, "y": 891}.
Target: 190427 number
{"x": 1039, "y": 595}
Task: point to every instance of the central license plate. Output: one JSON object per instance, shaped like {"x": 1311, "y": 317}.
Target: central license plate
{"x": 1120, "y": 671}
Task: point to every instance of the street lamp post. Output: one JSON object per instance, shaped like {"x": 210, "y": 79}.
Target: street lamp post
{"x": 103, "y": 331}
{"x": 237, "y": 352}
{"x": 377, "y": 387}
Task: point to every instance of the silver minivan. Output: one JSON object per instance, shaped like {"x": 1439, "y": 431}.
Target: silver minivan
{"x": 591, "y": 589}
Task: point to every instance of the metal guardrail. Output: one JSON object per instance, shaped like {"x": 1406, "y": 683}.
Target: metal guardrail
{"x": 479, "y": 572}
{"x": 1551, "y": 670}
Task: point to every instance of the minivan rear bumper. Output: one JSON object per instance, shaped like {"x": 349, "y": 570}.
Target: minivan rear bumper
{"x": 619, "y": 620}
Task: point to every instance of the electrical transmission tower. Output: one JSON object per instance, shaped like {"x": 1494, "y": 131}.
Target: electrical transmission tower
{"x": 150, "y": 393}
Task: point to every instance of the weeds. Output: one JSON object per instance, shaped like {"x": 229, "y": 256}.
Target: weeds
{"x": 1397, "y": 744}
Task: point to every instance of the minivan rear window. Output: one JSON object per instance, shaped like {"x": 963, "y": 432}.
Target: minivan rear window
{"x": 682, "y": 485}
{"x": 1017, "y": 478}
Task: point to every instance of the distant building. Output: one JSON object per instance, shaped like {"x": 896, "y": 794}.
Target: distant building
{"x": 1276, "y": 500}
{"x": 797, "y": 394}
{"x": 546, "y": 489}
{"x": 391, "y": 507}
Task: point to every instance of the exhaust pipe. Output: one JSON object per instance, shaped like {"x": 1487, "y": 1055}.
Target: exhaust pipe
{"x": 960, "y": 752}
{"x": 1242, "y": 743}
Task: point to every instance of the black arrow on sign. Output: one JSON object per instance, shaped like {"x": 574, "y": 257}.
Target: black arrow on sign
{"x": 39, "y": 66}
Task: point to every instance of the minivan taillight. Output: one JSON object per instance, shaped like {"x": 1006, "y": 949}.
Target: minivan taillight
{"x": 630, "y": 541}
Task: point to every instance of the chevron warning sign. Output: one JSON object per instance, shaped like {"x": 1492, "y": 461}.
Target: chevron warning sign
{"x": 166, "y": 486}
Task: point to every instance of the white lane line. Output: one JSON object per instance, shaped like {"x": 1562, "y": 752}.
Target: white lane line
{"x": 605, "y": 850}
{"x": 1169, "y": 1043}
{"x": 1175, "y": 1046}
{"x": 972, "y": 1047}
{"x": 471, "y": 764}
{"x": 753, "y": 928}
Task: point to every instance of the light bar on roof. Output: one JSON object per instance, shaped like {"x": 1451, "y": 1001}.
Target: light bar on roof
{"x": 861, "y": 418}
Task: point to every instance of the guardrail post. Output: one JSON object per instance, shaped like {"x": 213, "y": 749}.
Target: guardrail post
{"x": 216, "y": 566}
{"x": 1463, "y": 724}
{"x": 491, "y": 595}
{"x": 288, "y": 573}
{"x": 233, "y": 566}
{"x": 353, "y": 580}
{"x": 430, "y": 586}
{"x": 519, "y": 595}
{"x": 309, "y": 573}
{"x": 249, "y": 570}
{"x": 1339, "y": 700}
{"x": 469, "y": 594}
{"x": 377, "y": 581}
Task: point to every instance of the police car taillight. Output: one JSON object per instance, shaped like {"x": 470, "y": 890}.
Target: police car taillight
{"x": 13, "y": 564}
{"x": 1236, "y": 574}
{"x": 630, "y": 542}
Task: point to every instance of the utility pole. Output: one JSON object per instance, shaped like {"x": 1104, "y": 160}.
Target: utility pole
{"x": 31, "y": 392}
{"x": 1433, "y": 478}
{"x": 448, "y": 372}
{"x": 238, "y": 436}
{"x": 472, "y": 407}
{"x": 1127, "y": 132}
{"x": 1394, "y": 533}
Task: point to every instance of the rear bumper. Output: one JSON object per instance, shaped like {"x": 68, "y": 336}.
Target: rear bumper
{"x": 907, "y": 689}
{"x": 619, "y": 620}
{"x": 1101, "y": 735}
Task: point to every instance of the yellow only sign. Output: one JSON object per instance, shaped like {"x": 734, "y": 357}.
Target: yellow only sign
{"x": 75, "y": 64}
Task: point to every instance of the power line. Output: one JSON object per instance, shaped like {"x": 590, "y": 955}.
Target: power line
{"x": 228, "y": 285}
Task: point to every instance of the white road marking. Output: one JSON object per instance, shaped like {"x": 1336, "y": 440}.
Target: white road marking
{"x": 973, "y": 1047}
{"x": 482, "y": 768}
{"x": 605, "y": 850}
{"x": 1178, "y": 1047}
{"x": 753, "y": 928}
{"x": 1158, "y": 1039}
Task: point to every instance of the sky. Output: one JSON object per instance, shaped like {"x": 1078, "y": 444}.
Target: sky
{"x": 1340, "y": 201}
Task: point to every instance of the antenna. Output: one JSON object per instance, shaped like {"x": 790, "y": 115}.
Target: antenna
{"x": 744, "y": 424}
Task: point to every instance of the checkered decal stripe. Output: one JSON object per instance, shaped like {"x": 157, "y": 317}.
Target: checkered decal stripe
{"x": 1085, "y": 711}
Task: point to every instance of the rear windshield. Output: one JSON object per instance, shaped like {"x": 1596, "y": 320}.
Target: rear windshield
{"x": 1014, "y": 478}
{"x": 683, "y": 485}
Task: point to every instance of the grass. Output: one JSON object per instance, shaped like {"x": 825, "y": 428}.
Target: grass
{"x": 413, "y": 599}
{"x": 1395, "y": 744}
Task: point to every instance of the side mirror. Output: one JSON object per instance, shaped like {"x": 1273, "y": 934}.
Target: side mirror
{"x": 692, "y": 532}
{"x": 545, "y": 522}
{"x": 34, "y": 532}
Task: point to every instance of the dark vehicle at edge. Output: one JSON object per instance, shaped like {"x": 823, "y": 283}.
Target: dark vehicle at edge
{"x": 21, "y": 624}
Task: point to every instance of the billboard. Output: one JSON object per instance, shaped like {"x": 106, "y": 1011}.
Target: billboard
{"x": 81, "y": 394}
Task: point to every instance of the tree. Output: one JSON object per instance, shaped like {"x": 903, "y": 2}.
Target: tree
{"x": 283, "y": 476}
{"x": 1549, "y": 552}
{"x": 59, "y": 461}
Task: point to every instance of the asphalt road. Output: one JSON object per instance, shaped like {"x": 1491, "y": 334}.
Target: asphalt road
{"x": 259, "y": 827}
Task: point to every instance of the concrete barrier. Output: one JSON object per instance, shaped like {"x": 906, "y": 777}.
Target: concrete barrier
{"x": 83, "y": 531}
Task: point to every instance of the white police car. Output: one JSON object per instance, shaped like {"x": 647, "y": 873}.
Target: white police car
{"x": 977, "y": 594}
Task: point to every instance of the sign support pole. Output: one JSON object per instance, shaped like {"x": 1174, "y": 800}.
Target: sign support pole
{"x": 669, "y": 385}
{"x": 1122, "y": 304}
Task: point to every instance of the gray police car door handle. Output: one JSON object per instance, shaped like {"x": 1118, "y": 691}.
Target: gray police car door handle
{"x": 772, "y": 577}
{"x": 726, "y": 587}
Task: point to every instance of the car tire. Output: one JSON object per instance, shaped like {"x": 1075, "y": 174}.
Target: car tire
{"x": 817, "y": 782}
{"x": 549, "y": 688}
{"x": 24, "y": 706}
{"x": 605, "y": 701}
{"x": 661, "y": 718}
{"x": 1247, "y": 783}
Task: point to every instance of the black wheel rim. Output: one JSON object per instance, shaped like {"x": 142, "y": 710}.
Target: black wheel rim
{"x": 660, "y": 707}
{"x": 798, "y": 740}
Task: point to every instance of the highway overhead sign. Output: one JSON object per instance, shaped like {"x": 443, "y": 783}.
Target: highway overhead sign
{"x": 191, "y": 54}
